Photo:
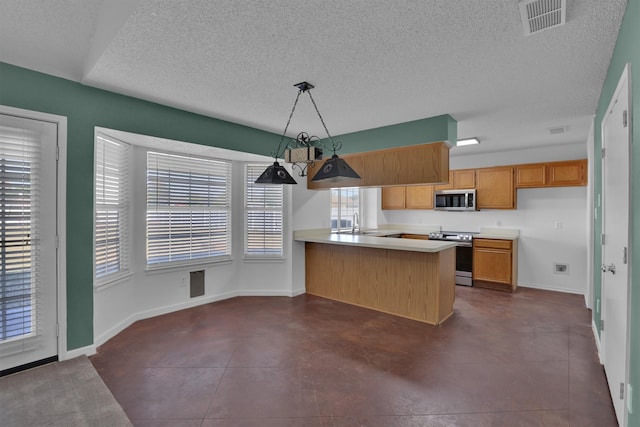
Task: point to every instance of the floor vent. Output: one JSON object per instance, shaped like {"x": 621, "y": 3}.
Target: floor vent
{"x": 539, "y": 15}
{"x": 196, "y": 284}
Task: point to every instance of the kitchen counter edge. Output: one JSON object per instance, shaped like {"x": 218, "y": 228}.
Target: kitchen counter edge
{"x": 371, "y": 241}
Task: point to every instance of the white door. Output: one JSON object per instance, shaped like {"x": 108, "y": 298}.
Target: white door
{"x": 28, "y": 276}
{"x": 616, "y": 135}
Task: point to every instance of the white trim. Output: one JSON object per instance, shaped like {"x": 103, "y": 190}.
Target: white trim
{"x": 167, "y": 267}
{"x": 106, "y": 336}
{"x": 625, "y": 77}
{"x": 552, "y": 288}
{"x": 596, "y": 338}
{"x": 61, "y": 123}
{"x": 88, "y": 350}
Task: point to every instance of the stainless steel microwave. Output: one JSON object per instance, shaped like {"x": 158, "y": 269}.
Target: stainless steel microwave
{"x": 455, "y": 200}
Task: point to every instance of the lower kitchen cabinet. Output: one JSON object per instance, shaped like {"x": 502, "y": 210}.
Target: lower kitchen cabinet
{"x": 495, "y": 264}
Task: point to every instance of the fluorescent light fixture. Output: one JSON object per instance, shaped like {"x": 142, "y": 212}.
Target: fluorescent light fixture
{"x": 468, "y": 141}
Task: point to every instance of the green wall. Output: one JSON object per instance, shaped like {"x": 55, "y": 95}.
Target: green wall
{"x": 432, "y": 129}
{"x": 627, "y": 50}
{"x": 87, "y": 107}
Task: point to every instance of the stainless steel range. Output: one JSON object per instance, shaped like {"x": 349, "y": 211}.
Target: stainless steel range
{"x": 464, "y": 253}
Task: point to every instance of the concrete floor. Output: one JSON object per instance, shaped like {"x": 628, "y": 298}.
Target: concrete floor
{"x": 523, "y": 359}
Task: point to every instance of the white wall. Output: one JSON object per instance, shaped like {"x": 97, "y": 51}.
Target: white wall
{"x": 540, "y": 244}
{"x": 552, "y": 221}
{"x": 146, "y": 294}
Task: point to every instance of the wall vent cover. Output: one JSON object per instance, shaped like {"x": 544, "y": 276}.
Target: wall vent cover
{"x": 539, "y": 15}
{"x": 557, "y": 130}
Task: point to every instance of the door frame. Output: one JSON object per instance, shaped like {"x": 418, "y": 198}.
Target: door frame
{"x": 61, "y": 216}
{"x": 624, "y": 76}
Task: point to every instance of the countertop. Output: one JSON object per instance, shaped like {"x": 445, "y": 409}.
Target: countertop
{"x": 372, "y": 240}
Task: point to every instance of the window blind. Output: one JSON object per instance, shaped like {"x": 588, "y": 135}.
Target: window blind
{"x": 19, "y": 253}
{"x": 188, "y": 208}
{"x": 112, "y": 207}
{"x": 263, "y": 215}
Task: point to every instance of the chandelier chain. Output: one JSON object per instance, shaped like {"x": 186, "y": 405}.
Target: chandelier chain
{"x": 334, "y": 146}
{"x": 277, "y": 153}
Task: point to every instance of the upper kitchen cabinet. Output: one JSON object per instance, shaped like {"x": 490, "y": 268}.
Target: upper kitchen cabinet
{"x": 413, "y": 197}
{"x": 409, "y": 165}
{"x": 495, "y": 188}
{"x": 553, "y": 174}
{"x": 393, "y": 198}
{"x": 459, "y": 179}
{"x": 419, "y": 197}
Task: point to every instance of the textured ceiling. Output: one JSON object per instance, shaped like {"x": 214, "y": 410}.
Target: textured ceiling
{"x": 374, "y": 62}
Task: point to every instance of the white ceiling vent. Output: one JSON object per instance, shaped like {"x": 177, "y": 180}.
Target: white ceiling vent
{"x": 557, "y": 130}
{"x": 539, "y": 15}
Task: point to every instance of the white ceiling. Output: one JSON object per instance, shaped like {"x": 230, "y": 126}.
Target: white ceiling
{"x": 374, "y": 62}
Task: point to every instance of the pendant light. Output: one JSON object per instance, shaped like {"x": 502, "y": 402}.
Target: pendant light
{"x": 305, "y": 150}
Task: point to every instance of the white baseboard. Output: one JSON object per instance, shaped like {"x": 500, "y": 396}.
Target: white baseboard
{"x": 298, "y": 291}
{"x": 552, "y": 288}
{"x": 88, "y": 350}
{"x": 596, "y": 337}
{"x": 106, "y": 336}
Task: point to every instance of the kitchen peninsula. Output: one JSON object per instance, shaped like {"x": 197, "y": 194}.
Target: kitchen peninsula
{"x": 405, "y": 277}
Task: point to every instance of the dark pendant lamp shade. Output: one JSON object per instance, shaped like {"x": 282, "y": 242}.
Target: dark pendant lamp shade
{"x": 275, "y": 174}
{"x": 335, "y": 169}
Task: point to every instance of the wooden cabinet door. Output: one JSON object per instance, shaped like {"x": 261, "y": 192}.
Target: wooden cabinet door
{"x": 492, "y": 265}
{"x": 448, "y": 185}
{"x": 567, "y": 174}
{"x": 464, "y": 179}
{"x": 495, "y": 188}
{"x": 533, "y": 175}
{"x": 393, "y": 198}
{"x": 495, "y": 264}
{"x": 419, "y": 197}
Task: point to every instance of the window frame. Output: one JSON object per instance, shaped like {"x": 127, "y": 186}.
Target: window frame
{"x": 124, "y": 209}
{"x": 225, "y": 208}
{"x": 248, "y": 182}
{"x": 340, "y": 218}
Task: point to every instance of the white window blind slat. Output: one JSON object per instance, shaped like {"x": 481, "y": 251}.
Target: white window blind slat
{"x": 263, "y": 215}
{"x": 19, "y": 194}
{"x": 188, "y": 208}
{"x": 112, "y": 200}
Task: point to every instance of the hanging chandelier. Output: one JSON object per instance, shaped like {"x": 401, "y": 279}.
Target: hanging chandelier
{"x": 304, "y": 150}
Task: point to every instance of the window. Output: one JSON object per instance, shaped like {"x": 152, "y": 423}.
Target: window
{"x": 345, "y": 202}
{"x": 263, "y": 215}
{"x": 188, "y": 208}
{"x": 19, "y": 198}
{"x": 112, "y": 208}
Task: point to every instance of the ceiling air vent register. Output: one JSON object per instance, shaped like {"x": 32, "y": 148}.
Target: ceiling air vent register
{"x": 539, "y": 15}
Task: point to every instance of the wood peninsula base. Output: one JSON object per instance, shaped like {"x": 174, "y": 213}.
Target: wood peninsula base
{"x": 415, "y": 285}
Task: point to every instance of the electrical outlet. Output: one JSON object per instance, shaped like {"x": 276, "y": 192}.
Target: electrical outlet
{"x": 499, "y": 223}
{"x": 183, "y": 281}
{"x": 558, "y": 225}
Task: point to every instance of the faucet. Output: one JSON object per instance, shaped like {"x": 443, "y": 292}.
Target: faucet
{"x": 355, "y": 223}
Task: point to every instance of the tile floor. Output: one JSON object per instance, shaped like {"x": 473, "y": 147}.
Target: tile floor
{"x": 527, "y": 359}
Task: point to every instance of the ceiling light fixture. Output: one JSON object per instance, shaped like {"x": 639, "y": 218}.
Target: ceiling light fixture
{"x": 305, "y": 150}
{"x": 467, "y": 141}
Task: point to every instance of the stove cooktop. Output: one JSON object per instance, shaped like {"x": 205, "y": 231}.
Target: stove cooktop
{"x": 456, "y": 236}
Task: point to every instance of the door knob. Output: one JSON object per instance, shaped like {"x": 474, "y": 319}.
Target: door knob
{"x": 611, "y": 267}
